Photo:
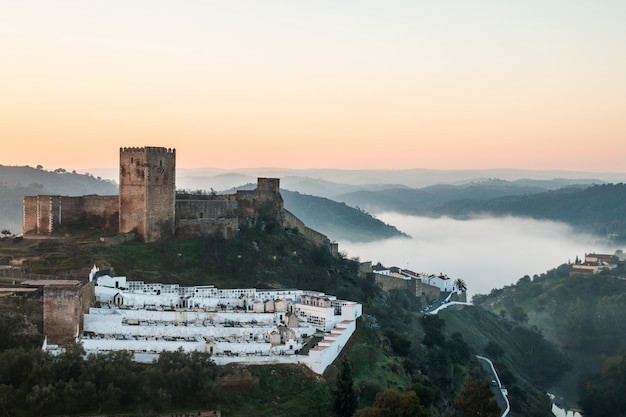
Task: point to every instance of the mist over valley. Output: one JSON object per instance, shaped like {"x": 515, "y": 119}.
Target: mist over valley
{"x": 486, "y": 252}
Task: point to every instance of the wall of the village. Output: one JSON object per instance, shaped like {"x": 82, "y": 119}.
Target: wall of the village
{"x": 63, "y": 309}
{"x": 390, "y": 282}
{"x": 426, "y": 292}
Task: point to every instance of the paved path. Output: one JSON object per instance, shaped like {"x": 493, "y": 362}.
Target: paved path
{"x": 498, "y": 389}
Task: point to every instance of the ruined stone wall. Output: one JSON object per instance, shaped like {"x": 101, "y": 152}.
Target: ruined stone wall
{"x": 43, "y": 214}
{"x": 101, "y": 211}
{"x": 252, "y": 203}
{"x": 69, "y": 209}
{"x": 205, "y": 209}
{"x": 63, "y": 310}
{"x": 292, "y": 222}
{"x": 268, "y": 184}
{"x": 29, "y": 215}
{"x": 147, "y": 191}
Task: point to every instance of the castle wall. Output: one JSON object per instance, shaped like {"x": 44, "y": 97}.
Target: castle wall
{"x": 29, "y": 215}
{"x": 254, "y": 202}
{"x": 63, "y": 310}
{"x": 205, "y": 209}
{"x": 292, "y": 222}
{"x": 43, "y": 214}
{"x": 101, "y": 211}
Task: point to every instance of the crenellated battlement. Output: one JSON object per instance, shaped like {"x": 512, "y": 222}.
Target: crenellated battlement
{"x": 146, "y": 149}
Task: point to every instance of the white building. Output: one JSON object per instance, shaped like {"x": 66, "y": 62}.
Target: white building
{"x": 233, "y": 325}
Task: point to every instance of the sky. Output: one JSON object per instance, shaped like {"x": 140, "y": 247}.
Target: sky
{"x": 348, "y": 84}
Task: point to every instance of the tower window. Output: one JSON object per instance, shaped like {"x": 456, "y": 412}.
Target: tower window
{"x": 161, "y": 163}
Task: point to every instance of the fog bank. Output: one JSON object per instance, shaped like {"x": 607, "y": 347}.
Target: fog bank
{"x": 485, "y": 252}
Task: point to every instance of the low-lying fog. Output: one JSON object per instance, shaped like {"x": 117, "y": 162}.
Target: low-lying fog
{"x": 486, "y": 253}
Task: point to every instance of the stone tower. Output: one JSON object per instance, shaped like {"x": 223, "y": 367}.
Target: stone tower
{"x": 147, "y": 192}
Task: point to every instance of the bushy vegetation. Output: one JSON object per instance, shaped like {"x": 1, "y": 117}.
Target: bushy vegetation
{"x": 33, "y": 382}
{"x": 584, "y": 316}
{"x": 602, "y": 392}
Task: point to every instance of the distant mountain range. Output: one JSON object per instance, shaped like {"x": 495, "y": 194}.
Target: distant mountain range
{"x": 338, "y": 203}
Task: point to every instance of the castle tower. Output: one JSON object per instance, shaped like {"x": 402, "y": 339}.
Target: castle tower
{"x": 147, "y": 191}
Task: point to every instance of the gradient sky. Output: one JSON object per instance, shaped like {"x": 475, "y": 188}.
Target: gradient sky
{"x": 321, "y": 84}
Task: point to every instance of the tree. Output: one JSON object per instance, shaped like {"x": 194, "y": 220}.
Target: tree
{"x": 477, "y": 400}
{"x": 518, "y": 315}
{"x": 345, "y": 398}
{"x": 460, "y": 284}
{"x": 433, "y": 330}
{"x": 391, "y": 403}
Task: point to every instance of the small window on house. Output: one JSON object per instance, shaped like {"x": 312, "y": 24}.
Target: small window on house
{"x": 201, "y": 215}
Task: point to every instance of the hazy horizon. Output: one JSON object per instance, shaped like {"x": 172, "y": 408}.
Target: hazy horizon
{"x": 455, "y": 85}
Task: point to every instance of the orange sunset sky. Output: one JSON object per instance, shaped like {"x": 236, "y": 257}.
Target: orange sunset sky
{"x": 320, "y": 84}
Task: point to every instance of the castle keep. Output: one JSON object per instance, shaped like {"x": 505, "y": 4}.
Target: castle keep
{"x": 149, "y": 207}
{"x": 147, "y": 192}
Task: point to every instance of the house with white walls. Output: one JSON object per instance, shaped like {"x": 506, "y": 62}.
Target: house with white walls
{"x": 242, "y": 325}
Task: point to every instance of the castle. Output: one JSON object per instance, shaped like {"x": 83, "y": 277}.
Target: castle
{"x": 149, "y": 208}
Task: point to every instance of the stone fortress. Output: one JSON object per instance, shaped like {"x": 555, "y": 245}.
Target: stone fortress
{"x": 149, "y": 208}
{"x": 235, "y": 325}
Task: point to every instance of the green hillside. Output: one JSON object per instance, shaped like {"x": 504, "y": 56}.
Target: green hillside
{"x": 584, "y": 316}
{"x": 599, "y": 209}
{"x": 337, "y": 220}
{"x": 394, "y": 346}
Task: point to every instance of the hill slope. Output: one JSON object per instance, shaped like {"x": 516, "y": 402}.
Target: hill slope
{"x": 599, "y": 209}
{"x": 391, "y": 349}
{"x": 337, "y": 220}
{"x": 584, "y": 316}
